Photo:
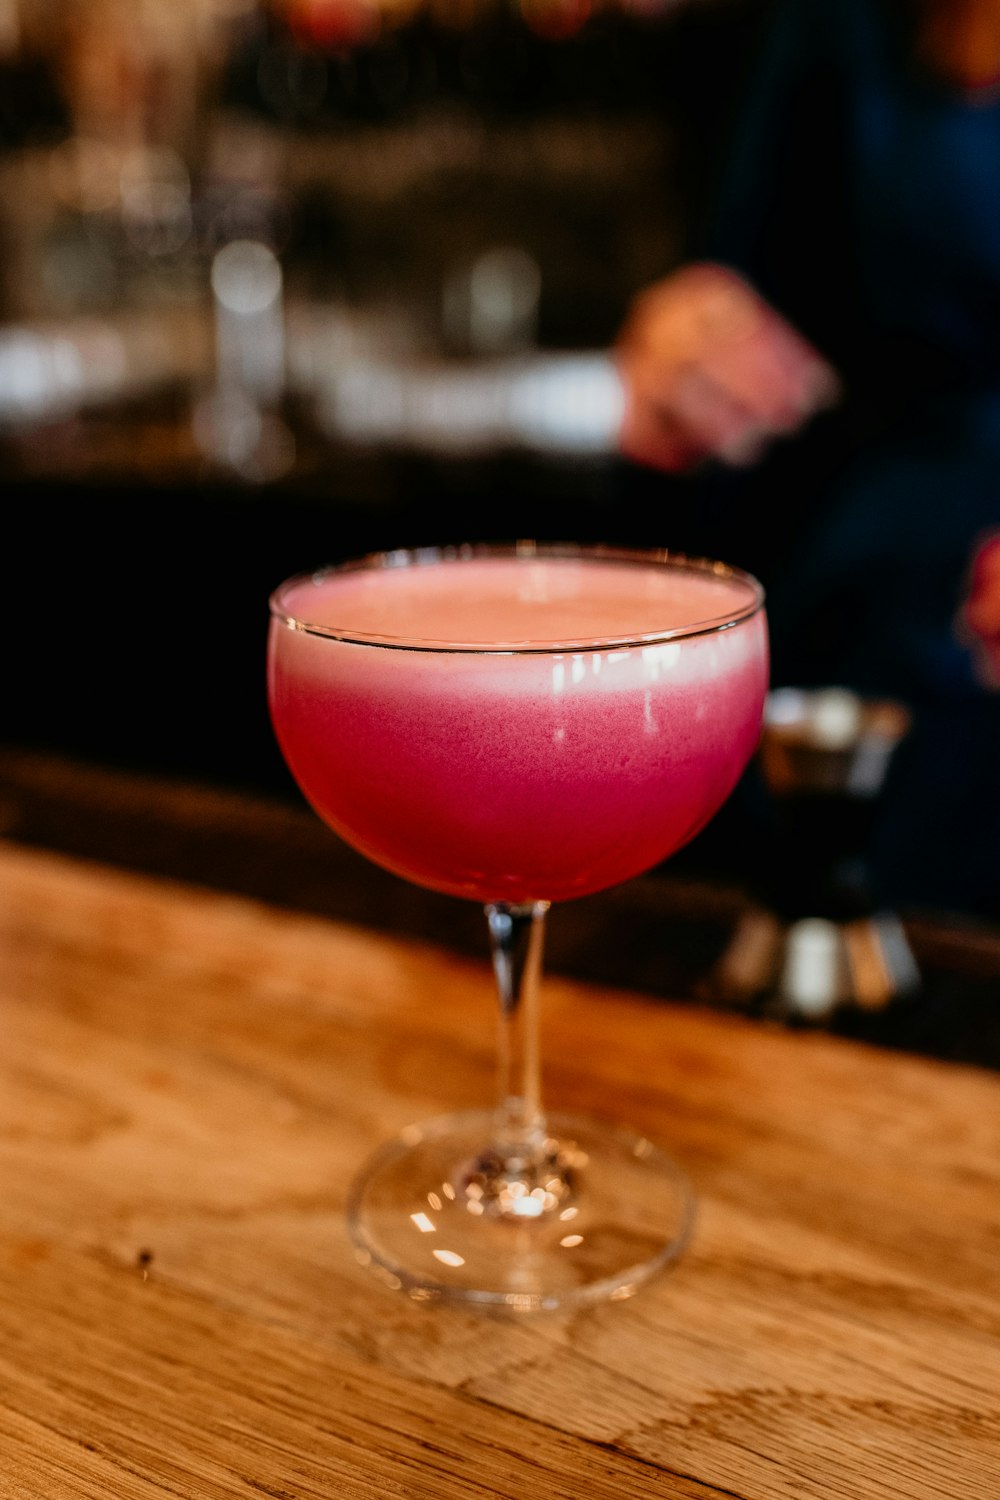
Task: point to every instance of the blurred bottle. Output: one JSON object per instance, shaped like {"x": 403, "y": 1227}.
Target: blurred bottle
{"x": 238, "y": 424}
{"x": 491, "y": 303}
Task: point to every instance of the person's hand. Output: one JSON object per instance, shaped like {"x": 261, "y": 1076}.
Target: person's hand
{"x": 710, "y": 370}
{"x": 979, "y": 618}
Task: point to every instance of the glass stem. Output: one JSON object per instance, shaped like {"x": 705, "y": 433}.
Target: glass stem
{"x": 516, "y": 943}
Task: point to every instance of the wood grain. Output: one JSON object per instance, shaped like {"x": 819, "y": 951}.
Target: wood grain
{"x": 188, "y": 1082}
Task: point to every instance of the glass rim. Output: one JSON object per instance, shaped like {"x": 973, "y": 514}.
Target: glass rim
{"x": 403, "y": 557}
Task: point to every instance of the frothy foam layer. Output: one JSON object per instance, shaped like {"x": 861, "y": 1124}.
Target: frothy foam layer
{"x": 510, "y": 602}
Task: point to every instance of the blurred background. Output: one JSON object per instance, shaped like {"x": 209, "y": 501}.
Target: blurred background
{"x": 286, "y": 280}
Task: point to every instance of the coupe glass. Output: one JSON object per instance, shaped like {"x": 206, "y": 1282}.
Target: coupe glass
{"x": 518, "y": 725}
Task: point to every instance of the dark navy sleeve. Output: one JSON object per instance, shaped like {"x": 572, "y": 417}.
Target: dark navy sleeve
{"x": 783, "y": 209}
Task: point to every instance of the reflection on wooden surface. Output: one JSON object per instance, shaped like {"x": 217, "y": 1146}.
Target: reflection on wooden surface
{"x": 191, "y": 1078}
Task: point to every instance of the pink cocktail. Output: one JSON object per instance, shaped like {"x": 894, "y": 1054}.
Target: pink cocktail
{"x": 515, "y": 726}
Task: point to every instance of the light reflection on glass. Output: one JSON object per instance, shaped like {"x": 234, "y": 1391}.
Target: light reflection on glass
{"x": 659, "y": 659}
{"x": 449, "y": 1257}
{"x": 518, "y": 1300}
{"x": 423, "y": 1223}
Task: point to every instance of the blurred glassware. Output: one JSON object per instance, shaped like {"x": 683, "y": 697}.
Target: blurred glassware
{"x": 490, "y": 305}
{"x": 247, "y": 287}
{"x": 237, "y": 424}
{"x": 156, "y": 209}
{"x": 829, "y": 740}
{"x": 371, "y": 168}
{"x": 819, "y": 939}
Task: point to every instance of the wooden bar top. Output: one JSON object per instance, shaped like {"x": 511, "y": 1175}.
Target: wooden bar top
{"x": 190, "y": 1079}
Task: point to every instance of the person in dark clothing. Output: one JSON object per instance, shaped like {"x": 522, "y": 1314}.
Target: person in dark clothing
{"x": 822, "y": 380}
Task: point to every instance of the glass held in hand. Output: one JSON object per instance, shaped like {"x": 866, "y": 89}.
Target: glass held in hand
{"x": 518, "y": 725}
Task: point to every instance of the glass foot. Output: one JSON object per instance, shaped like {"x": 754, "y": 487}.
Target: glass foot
{"x": 602, "y": 1212}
